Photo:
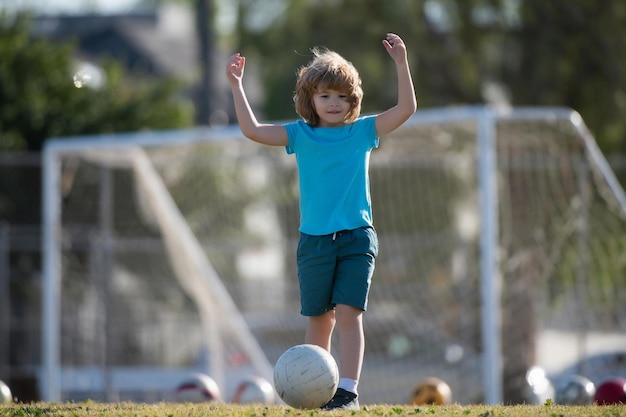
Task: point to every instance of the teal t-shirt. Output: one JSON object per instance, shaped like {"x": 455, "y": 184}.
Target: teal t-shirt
{"x": 333, "y": 169}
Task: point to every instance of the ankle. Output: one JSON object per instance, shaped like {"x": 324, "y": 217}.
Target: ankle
{"x": 349, "y": 384}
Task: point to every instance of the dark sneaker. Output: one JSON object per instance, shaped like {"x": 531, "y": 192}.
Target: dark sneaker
{"x": 343, "y": 400}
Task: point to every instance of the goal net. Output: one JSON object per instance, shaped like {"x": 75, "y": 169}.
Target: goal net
{"x": 501, "y": 235}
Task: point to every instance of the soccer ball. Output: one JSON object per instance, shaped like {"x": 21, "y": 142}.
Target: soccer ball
{"x": 611, "y": 391}
{"x": 431, "y": 391}
{"x": 197, "y": 388}
{"x": 5, "y": 394}
{"x": 306, "y": 376}
{"x": 575, "y": 390}
{"x": 254, "y": 390}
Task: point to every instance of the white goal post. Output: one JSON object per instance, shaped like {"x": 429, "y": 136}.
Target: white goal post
{"x": 195, "y": 272}
{"x": 461, "y": 147}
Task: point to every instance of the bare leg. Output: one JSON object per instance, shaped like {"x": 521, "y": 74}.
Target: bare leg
{"x": 320, "y": 330}
{"x": 351, "y": 341}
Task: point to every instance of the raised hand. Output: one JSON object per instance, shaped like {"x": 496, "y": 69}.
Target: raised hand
{"x": 235, "y": 67}
{"x": 395, "y": 47}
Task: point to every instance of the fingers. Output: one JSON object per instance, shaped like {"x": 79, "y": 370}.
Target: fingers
{"x": 392, "y": 40}
{"x": 236, "y": 60}
{"x": 395, "y": 47}
{"x": 235, "y": 65}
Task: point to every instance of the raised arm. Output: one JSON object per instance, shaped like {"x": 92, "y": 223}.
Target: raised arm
{"x": 268, "y": 134}
{"x": 391, "y": 119}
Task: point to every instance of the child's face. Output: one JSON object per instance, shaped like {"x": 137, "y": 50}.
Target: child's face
{"x": 331, "y": 106}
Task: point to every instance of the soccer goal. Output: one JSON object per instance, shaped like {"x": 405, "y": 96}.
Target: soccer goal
{"x": 173, "y": 252}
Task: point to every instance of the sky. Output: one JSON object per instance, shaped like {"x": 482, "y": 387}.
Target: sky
{"x": 70, "y": 6}
{"x": 226, "y": 10}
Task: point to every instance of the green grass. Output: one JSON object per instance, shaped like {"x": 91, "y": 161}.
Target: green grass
{"x": 92, "y": 409}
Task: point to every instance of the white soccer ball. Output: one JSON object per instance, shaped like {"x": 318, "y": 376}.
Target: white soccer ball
{"x": 5, "y": 394}
{"x": 198, "y": 388}
{"x": 254, "y": 390}
{"x": 306, "y": 376}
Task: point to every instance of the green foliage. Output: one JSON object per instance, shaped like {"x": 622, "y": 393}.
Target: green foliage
{"x": 559, "y": 53}
{"x": 38, "y": 99}
{"x": 338, "y": 25}
{"x": 578, "y": 60}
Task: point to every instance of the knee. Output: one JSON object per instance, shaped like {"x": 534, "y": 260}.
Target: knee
{"x": 347, "y": 315}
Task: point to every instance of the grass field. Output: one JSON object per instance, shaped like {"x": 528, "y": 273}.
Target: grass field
{"x": 92, "y": 409}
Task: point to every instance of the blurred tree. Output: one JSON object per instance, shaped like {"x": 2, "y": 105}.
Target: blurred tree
{"x": 559, "y": 53}
{"x": 574, "y": 53}
{"x": 352, "y": 28}
{"x": 39, "y": 99}
{"x": 207, "y": 99}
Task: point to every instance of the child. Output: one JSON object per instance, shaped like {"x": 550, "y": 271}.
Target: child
{"x": 338, "y": 244}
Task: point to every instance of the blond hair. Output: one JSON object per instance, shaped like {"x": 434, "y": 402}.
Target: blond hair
{"x": 327, "y": 70}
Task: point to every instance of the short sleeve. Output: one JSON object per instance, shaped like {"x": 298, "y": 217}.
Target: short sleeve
{"x": 292, "y": 132}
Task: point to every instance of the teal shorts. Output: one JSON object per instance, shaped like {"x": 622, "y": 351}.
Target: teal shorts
{"x": 336, "y": 269}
